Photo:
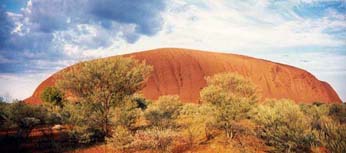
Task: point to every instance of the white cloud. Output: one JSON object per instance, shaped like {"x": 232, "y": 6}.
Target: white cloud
{"x": 255, "y": 28}
{"x": 20, "y": 86}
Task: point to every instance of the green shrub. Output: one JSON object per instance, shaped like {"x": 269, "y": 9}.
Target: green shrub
{"x": 121, "y": 138}
{"x": 86, "y": 126}
{"x": 128, "y": 114}
{"x": 155, "y": 139}
{"x": 164, "y": 111}
{"x": 52, "y": 96}
{"x": 194, "y": 120}
{"x": 140, "y": 101}
{"x": 332, "y": 135}
{"x": 338, "y": 112}
{"x": 25, "y": 125}
{"x": 4, "y": 118}
{"x": 24, "y": 117}
{"x": 16, "y": 111}
{"x": 315, "y": 112}
{"x": 284, "y": 126}
{"x": 231, "y": 84}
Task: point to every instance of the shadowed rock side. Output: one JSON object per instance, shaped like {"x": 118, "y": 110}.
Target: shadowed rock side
{"x": 182, "y": 72}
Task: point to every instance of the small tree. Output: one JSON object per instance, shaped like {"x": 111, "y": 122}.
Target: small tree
{"x": 100, "y": 85}
{"x": 232, "y": 95}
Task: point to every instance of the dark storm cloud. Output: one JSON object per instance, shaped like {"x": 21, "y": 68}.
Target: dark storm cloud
{"x": 5, "y": 27}
{"x": 143, "y": 13}
{"x": 57, "y": 15}
{"x": 43, "y": 27}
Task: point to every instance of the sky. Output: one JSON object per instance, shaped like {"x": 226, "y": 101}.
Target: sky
{"x": 39, "y": 37}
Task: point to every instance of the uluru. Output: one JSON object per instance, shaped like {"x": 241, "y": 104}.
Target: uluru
{"x": 173, "y": 76}
{"x": 182, "y": 72}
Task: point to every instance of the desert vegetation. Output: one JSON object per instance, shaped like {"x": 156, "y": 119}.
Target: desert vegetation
{"x": 99, "y": 103}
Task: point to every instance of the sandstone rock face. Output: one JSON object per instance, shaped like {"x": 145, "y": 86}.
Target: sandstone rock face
{"x": 182, "y": 72}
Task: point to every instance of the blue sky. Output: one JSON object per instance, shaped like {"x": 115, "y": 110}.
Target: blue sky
{"x": 39, "y": 37}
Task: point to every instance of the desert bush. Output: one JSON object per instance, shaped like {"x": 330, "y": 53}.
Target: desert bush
{"x": 24, "y": 118}
{"x": 4, "y": 110}
{"x": 284, "y": 126}
{"x": 332, "y": 135}
{"x": 128, "y": 118}
{"x": 128, "y": 115}
{"x": 315, "y": 112}
{"x": 52, "y": 96}
{"x": 164, "y": 111}
{"x": 232, "y": 84}
{"x": 338, "y": 112}
{"x": 25, "y": 125}
{"x": 156, "y": 139}
{"x": 233, "y": 97}
{"x": 154, "y": 116}
{"x": 84, "y": 121}
{"x": 195, "y": 121}
{"x": 16, "y": 111}
{"x": 140, "y": 102}
{"x": 121, "y": 138}
{"x": 170, "y": 105}
{"x": 327, "y": 120}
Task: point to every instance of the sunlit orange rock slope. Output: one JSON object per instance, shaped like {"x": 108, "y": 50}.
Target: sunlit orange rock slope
{"x": 182, "y": 72}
